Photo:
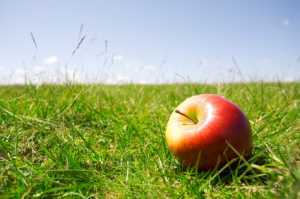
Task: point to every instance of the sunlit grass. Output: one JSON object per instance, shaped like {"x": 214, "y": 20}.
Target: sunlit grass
{"x": 108, "y": 141}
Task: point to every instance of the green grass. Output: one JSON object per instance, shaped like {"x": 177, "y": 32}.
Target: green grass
{"x": 95, "y": 141}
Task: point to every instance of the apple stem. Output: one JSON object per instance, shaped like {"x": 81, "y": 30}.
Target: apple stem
{"x": 177, "y": 111}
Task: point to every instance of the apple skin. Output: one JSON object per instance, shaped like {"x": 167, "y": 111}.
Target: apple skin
{"x": 208, "y": 142}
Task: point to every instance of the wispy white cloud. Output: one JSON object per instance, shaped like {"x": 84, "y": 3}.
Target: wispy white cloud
{"x": 122, "y": 78}
{"x": 143, "y": 82}
{"x": 117, "y": 79}
{"x": 2, "y": 70}
{"x": 289, "y": 79}
{"x": 118, "y": 58}
{"x": 51, "y": 60}
{"x": 39, "y": 75}
{"x": 19, "y": 76}
{"x": 150, "y": 67}
{"x": 286, "y": 22}
{"x": 266, "y": 61}
{"x": 202, "y": 62}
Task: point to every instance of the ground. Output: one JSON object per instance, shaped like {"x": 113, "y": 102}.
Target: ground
{"x": 97, "y": 141}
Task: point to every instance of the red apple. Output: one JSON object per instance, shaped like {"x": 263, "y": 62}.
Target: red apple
{"x": 206, "y": 131}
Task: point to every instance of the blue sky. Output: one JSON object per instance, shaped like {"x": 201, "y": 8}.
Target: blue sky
{"x": 150, "y": 41}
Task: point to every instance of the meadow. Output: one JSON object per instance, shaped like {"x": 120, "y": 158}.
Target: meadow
{"x": 107, "y": 141}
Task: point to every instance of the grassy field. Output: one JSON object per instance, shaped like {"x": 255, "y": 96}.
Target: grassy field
{"x": 96, "y": 141}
